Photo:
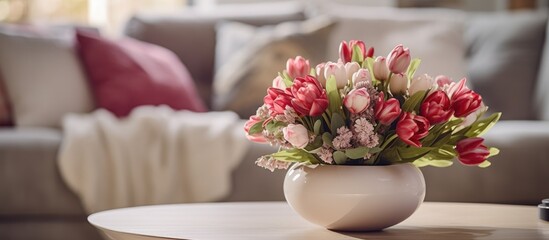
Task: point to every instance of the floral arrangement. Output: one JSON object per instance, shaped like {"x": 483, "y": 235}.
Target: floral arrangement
{"x": 366, "y": 110}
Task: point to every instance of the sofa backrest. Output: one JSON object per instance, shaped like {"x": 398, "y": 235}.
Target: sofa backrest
{"x": 191, "y": 33}
{"x": 504, "y": 51}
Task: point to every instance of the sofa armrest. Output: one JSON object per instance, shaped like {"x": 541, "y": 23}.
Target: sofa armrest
{"x": 30, "y": 182}
{"x": 518, "y": 175}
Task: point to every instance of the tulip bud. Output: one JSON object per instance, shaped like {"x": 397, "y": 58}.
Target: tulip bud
{"x": 357, "y": 100}
{"x": 398, "y": 83}
{"x": 258, "y": 137}
{"x": 362, "y": 75}
{"x": 421, "y": 83}
{"x": 412, "y": 128}
{"x": 338, "y": 71}
{"x": 298, "y": 67}
{"x": 279, "y": 83}
{"x": 386, "y": 111}
{"x": 319, "y": 69}
{"x": 381, "y": 72}
{"x": 442, "y": 81}
{"x": 297, "y": 135}
{"x": 399, "y": 59}
{"x": 351, "y": 68}
{"x": 346, "y": 50}
{"x": 471, "y": 151}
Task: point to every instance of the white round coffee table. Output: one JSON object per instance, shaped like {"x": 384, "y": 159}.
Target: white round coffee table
{"x": 275, "y": 220}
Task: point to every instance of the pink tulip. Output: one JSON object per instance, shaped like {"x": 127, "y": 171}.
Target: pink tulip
{"x": 362, "y": 75}
{"x": 437, "y": 108}
{"x": 412, "y": 128}
{"x": 399, "y": 59}
{"x": 386, "y": 111}
{"x": 455, "y": 88}
{"x": 309, "y": 98}
{"x": 346, "y": 50}
{"x": 420, "y": 83}
{"x": 466, "y": 102}
{"x": 471, "y": 151}
{"x": 277, "y": 100}
{"x": 351, "y": 68}
{"x": 381, "y": 72}
{"x": 398, "y": 83}
{"x": 279, "y": 83}
{"x": 338, "y": 71}
{"x": 357, "y": 100}
{"x": 257, "y": 137}
{"x": 298, "y": 67}
{"x": 297, "y": 135}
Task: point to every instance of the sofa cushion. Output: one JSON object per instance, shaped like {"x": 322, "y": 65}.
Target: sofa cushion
{"x": 29, "y": 179}
{"x": 504, "y": 56}
{"x": 243, "y": 79}
{"x": 191, "y": 33}
{"x": 42, "y": 75}
{"x": 128, "y": 73}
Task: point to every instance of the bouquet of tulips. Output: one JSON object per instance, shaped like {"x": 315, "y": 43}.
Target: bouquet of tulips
{"x": 366, "y": 110}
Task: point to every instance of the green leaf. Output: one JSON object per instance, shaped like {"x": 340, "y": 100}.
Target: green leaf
{"x": 315, "y": 145}
{"x": 327, "y": 139}
{"x": 446, "y": 152}
{"x": 357, "y": 54}
{"x": 412, "y": 153}
{"x": 317, "y": 126}
{"x": 414, "y": 101}
{"x": 357, "y": 153}
{"x": 339, "y": 157}
{"x": 493, "y": 152}
{"x": 294, "y": 155}
{"x": 256, "y": 128}
{"x": 485, "y": 164}
{"x": 422, "y": 162}
{"x": 288, "y": 81}
{"x": 274, "y": 125}
{"x": 440, "y": 163}
{"x": 414, "y": 64}
{"x": 333, "y": 95}
{"x": 482, "y": 126}
{"x": 369, "y": 64}
{"x": 337, "y": 122}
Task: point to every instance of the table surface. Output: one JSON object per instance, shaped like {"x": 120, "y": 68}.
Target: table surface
{"x": 276, "y": 220}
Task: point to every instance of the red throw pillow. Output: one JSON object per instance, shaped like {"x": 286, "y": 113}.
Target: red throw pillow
{"x": 127, "y": 73}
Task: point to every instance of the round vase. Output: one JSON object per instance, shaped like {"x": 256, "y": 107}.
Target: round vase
{"x": 354, "y": 198}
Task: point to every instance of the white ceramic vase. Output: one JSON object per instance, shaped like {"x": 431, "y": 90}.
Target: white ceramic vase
{"x": 354, "y": 198}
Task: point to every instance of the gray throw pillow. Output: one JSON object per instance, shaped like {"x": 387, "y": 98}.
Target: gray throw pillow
{"x": 504, "y": 56}
{"x": 244, "y": 75}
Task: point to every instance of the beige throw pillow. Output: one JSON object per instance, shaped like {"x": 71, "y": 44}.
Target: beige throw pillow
{"x": 43, "y": 78}
{"x": 244, "y": 75}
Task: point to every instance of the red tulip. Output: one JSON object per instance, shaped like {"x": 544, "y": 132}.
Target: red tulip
{"x": 298, "y": 67}
{"x": 412, "y": 128}
{"x": 465, "y": 102}
{"x": 309, "y": 98}
{"x": 346, "y": 50}
{"x": 257, "y": 137}
{"x": 357, "y": 100}
{"x": 437, "y": 107}
{"x": 277, "y": 100}
{"x": 471, "y": 151}
{"x": 399, "y": 59}
{"x": 387, "y": 111}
